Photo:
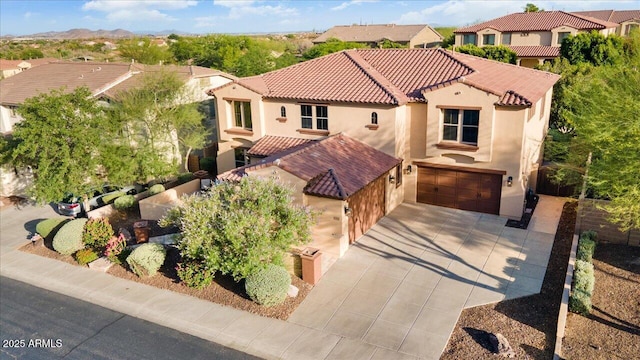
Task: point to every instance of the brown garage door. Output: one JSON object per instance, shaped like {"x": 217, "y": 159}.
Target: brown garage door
{"x": 367, "y": 207}
{"x": 460, "y": 189}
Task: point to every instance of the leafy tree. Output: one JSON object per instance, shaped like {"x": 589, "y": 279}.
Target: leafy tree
{"x": 144, "y": 51}
{"x": 255, "y": 61}
{"x": 498, "y": 53}
{"x": 330, "y": 46}
{"x": 448, "y": 41}
{"x": 237, "y": 228}
{"x": 61, "y": 138}
{"x": 531, "y": 8}
{"x": 471, "y": 50}
{"x": 593, "y": 48}
{"x": 31, "y": 53}
{"x": 388, "y": 44}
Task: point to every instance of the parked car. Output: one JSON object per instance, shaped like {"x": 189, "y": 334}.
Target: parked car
{"x": 72, "y": 205}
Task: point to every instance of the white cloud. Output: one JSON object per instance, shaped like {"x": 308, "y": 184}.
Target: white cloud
{"x": 127, "y": 10}
{"x": 242, "y": 8}
{"x": 28, "y": 14}
{"x": 346, "y": 4}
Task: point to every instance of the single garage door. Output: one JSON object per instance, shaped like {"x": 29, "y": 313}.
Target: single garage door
{"x": 460, "y": 189}
{"x": 367, "y": 207}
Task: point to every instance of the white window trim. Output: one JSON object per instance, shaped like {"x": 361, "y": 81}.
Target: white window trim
{"x": 459, "y": 126}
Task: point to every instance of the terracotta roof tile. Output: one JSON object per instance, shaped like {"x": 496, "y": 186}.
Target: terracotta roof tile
{"x": 511, "y": 98}
{"x": 354, "y": 165}
{"x": 373, "y": 33}
{"x": 536, "y": 51}
{"x": 269, "y": 145}
{"x": 538, "y": 21}
{"x": 616, "y": 16}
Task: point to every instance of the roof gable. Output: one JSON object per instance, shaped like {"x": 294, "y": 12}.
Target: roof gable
{"x": 616, "y": 16}
{"x": 538, "y": 21}
{"x": 373, "y": 33}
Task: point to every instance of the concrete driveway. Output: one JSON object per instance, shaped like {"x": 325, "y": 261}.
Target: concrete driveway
{"x": 402, "y": 287}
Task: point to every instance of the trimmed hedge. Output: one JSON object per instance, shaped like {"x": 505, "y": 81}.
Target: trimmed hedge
{"x": 49, "y": 227}
{"x": 146, "y": 259}
{"x": 195, "y": 274}
{"x": 586, "y": 248}
{"x": 68, "y": 240}
{"x": 583, "y": 275}
{"x": 268, "y": 286}
{"x": 108, "y": 199}
{"x": 209, "y": 164}
{"x": 185, "y": 177}
{"x": 124, "y": 202}
{"x": 156, "y": 189}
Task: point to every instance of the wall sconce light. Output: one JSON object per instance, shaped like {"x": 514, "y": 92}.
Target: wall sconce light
{"x": 347, "y": 211}
{"x": 510, "y": 181}
{"x": 408, "y": 169}
{"x": 392, "y": 179}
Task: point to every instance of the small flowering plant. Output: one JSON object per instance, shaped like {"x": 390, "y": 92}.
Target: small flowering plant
{"x": 114, "y": 247}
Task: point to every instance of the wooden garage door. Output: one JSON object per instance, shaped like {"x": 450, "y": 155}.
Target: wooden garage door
{"x": 460, "y": 189}
{"x": 367, "y": 207}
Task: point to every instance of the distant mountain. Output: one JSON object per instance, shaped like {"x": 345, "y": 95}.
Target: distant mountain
{"x": 82, "y": 34}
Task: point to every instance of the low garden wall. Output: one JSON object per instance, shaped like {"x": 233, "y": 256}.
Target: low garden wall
{"x": 108, "y": 210}
{"x": 156, "y": 206}
{"x": 591, "y": 217}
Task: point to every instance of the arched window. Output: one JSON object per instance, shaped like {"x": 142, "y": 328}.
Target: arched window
{"x": 283, "y": 112}
{"x": 374, "y": 118}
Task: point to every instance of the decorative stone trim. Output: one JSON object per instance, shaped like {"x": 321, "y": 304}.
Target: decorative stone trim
{"x": 313, "y": 132}
{"x": 238, "y": 131}
{"x": 281, "y": 119}
{"x": 456, "y": 146}
{"x": 564, "y": 305}
{"x": 372, "y": 126}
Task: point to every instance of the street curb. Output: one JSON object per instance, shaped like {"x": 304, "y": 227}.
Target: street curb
{"x": 564, "y": 305}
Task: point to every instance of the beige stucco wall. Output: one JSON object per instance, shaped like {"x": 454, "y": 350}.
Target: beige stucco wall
{"x": 156, "y": 206}
{"x": 488, "y": 31}
{"x": 7, "y": 119}
{"x": 426, "y": 37}
{"x": 531, "y": 38}
{"x": 620, "y": 30}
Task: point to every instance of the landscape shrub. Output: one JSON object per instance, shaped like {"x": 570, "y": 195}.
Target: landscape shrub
{"x": 85, "y": 256}
{"x": 208, "y": 164}
{"x": 97, "y": 232}
{"x": 195, "y": 274}
{"x": 586, "y": 246}
{"x": 583, "y": 284}
{"x": 68, "y": 240}
{"x": 124, "y": 202}
{"x": 156, "y": 189}
{"x": 49, "y": 227}
{"x": 108, "y": 199}
{"x": 146, "y": 259}
{"x": 580, "y": 302}
{"x": 590, "y": 235}
{"x": 115, "y": 246}
{"x": 185, "y": 177}
{"x": 268, "y": 286}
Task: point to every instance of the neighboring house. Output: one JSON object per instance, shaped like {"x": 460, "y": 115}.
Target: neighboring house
{"x": 535, "y": 36}
{"x": 11, "y": 67}
{"x": 372, "y": 35}
{"x": 344, "y": 179}
{"x": 104, "y": 80}
{"x": 469, "y": 130}
{"x": 627, "y": 20}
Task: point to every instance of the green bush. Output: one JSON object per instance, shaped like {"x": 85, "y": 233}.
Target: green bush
{"x": 108, "y": 199}
{"x": 85, "y": 256}
{"x": 580, "y": 302}
{"x": 146, "y": 259}
{"x": 195, "y": 274}
{"x": 586, "y": 248}
{"x": 97, "y": 232}
{"x": 156, "y": 189}
{"x": 49, "y": 227}
{"x": 584, "y": 278}
{"x": 268, "y": 286}
{"x": 209, "y": 164}
{"x": 124, "y": 202}
{"x": 590, "y": 235}
{"x": 69, "y": 238}
{"x": 185, "y": 177}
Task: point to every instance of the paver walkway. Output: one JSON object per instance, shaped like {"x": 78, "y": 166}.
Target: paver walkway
{"x": 404, "y": 284}
{"x": 395, "y": 295}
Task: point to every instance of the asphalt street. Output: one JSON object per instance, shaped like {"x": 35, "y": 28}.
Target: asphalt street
{"x": 40, "y": 324}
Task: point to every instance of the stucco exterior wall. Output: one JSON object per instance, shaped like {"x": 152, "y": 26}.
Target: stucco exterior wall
{"x": 488, "y": 31}
{"x": 156, "y": 206}
{"x": 426, "y": 37}
{"x": 531, "y": 38}
{"x": 8, "y": 119}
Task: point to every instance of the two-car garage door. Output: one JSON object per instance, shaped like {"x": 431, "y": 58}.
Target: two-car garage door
{"x": 466, "y": 190}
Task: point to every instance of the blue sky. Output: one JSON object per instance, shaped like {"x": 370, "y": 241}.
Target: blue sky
{"x": 21, "y": 17}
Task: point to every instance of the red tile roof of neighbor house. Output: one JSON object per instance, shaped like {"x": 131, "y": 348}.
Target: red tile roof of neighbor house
{"x": 616, "y": 16}
{"x": 373, "y": 33}
{"x": 536, "y": 51}
{"x": 539, "y": 21}
{"x": 335, "y": 167}
{"x": 269, "y": 145}
{"x": 394, "y": 77}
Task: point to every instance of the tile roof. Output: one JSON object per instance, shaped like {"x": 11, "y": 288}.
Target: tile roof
{"x": 394, "y": 77}
{"x": 536, "y": 51}
{"x": 538, "y": 21}
{"x": 13, "y": 64}
{"x": 69, "y": 75}
{"x": 373, "y": 33}
{"x": 335, "y": 167}
{"x": 616, "y": 16}
{"x": 269, "y": 145}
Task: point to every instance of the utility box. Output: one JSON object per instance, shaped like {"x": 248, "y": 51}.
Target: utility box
{"x": 311, "y": 265}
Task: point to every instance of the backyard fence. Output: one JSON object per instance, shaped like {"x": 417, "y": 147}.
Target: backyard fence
{"x": 592, "y": 217}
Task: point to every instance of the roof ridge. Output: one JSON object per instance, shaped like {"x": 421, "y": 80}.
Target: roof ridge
{"x": 341, "y": 191}
{"x": 373, "y": 73}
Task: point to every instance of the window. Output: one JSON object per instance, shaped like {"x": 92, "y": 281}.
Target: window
{"x": 307, "y": 116}
{"x": 242, "y": 114}
{"x": 241, "y": 156}
{"x": 562, "y": 36}
{"x": 468, "y": 39}
{"x": 321, "y": 116}
{"x": 374, "y": 118}
{"x": 398, "y": 175}
{"x": 283, "y": 111}
{"x": 506, "y": 39}
{"x": 489, "y": 39}
{"x": 461, "y": 126}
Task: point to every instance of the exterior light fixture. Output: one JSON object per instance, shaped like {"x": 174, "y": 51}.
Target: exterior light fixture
{"x": 392, "y": 179}
{"x": 408, "y": 169}
{"x": 510, "y": 181}
{"x": 347, "y": 211}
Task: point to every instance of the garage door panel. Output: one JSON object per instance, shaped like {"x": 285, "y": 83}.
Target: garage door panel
{"x": 446, "y": 180}
{"x": 367, "y": 207}
{"x": 446, "y": 200}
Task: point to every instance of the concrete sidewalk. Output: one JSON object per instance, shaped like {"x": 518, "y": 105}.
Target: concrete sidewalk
{"x": 304, "y": 336}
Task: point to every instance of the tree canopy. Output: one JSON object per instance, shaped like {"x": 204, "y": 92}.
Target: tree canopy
{"x": 499, "y": 53}
{"x": 329, "y": 47}
{"x": 592, "y": 47}
{"x": 532, "y": 8}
